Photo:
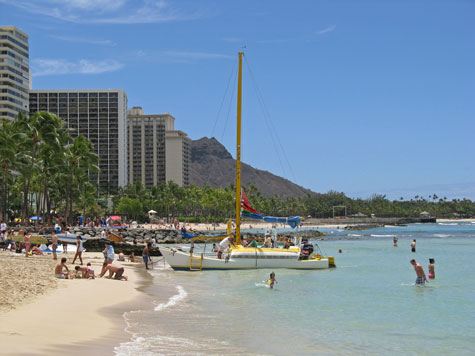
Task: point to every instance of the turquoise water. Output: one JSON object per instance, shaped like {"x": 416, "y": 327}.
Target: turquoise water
{"x": 368, "y": 305}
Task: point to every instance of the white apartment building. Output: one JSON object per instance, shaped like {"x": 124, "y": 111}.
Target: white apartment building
{"x": 157, "y": 153}
{"x": 101, "y": 116}
{"x": 14, "y": 72}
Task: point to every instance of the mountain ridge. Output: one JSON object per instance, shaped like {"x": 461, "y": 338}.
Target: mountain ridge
{"x": 213, "y": 165}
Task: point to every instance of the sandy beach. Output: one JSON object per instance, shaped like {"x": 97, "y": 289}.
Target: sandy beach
{"x": 42, "y": 315}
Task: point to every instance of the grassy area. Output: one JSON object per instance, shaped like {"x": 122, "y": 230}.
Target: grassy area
{"x": 37, "y": 240}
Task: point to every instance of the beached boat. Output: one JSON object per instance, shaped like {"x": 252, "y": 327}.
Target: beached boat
{"x": 69, "y": 237}
{"x": 301, "y": 256}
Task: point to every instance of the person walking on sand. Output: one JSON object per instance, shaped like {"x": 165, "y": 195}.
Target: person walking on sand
{"x": 55, "y": 244}
{"x": 413, "y": 245}
{"x": 146, "y": 254}
{"x": 421, "y": 276}
{"x": 431, "y": 268}
{"x": 79, "y": 250}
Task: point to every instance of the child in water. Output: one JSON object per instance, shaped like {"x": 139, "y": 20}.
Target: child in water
{"x": 272, "y": 280}
{"x": 431, "y": 268}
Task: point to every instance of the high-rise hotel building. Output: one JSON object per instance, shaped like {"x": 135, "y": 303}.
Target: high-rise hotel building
{"x": 14, "y": 72}
{"x": 157, "y": 152}
{"x": 99, "y": 115}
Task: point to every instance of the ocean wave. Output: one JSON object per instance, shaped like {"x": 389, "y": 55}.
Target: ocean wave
{"x": 448, "y": 224}
{"x": 443, "y": 235}
{"x": 374, "y": 235}
{"x": 355, "y": 235}
{"x": 173, "y": 300}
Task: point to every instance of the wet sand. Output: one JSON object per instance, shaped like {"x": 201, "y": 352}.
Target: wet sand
{"x": 48, "y": 316}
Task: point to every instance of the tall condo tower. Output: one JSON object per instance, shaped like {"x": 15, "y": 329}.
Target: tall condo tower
{"x": 14, "y": 72}
{"x": 99, "y": 115}
{"x": 157, "y": 152}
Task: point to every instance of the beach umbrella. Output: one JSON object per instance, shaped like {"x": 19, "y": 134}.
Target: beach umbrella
{"x": 36, "y": 218}
{"x": 115, "y": 217}
{"x": 152, "y": 212}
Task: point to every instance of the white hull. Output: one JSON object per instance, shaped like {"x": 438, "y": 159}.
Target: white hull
{"x": 69, "y": 238}
{"x": 241, "y": 258}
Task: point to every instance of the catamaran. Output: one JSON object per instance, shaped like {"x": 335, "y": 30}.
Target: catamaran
{"x": 301, "y": 256}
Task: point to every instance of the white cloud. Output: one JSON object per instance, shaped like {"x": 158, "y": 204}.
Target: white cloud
{"x": 41, "y": 67}
{"x": 326, "y": 30}
{"x": 105, "y": 11}
{"x": 85, "y": 40}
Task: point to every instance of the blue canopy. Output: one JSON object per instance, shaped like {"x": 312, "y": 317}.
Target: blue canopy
{"x": 36, "y": 218}
{"x": 292, "y": 221}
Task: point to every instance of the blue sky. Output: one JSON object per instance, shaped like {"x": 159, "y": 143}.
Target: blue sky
{"x": 362, "y": 97}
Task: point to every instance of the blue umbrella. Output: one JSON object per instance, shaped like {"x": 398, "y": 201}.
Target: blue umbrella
{"x": 36, "y": 218}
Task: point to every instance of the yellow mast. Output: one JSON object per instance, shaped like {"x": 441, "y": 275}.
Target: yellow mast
{"x": 238, "y": 154}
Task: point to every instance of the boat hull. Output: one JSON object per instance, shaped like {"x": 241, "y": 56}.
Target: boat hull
{"x": 69, "y": 238}
{"x": 249, "y": 258}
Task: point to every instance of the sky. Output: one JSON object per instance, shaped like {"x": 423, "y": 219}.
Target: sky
{"x": 362, "y": 97}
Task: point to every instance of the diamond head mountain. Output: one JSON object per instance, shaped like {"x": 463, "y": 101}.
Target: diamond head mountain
{"x": 213, "y": 165}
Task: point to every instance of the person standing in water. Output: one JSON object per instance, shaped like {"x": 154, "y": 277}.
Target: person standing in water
{"x": 146, "y": 254}
{"x": 395, "y": 240}
{"x": 431, "y": 268}
{"x": 272, "y": 280}
{"x": 413, "y": 245}
{"x": 421, "y": 275}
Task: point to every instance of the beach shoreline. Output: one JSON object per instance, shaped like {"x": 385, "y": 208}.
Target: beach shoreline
{"x": 75, "y": 317}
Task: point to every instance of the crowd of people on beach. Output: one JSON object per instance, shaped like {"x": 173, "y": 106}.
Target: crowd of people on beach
{"x": 62, "y": 271}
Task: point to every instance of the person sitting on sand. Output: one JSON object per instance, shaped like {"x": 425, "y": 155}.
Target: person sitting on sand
{"x": 118, "y": 271}
{"x": 132, "y": 257}
{"x": 121, "y": 257}
{"x": 37, "y": 251}
{"x": 59, "y": 270}
{"x": 90, "y": 271}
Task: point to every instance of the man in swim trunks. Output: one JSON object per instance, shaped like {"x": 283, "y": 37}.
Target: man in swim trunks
{"x": 413, "y": 246}
{"x": 55, "y": 244}
{"x": 421, "y": 276}
{"x": 119, "y": 271}
{"x": 146, "y": 254}
{"x": 59, "y": 272}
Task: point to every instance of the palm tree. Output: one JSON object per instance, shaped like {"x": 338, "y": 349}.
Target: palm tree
{"x": 80, "y": 158}
{"x": 41, "y": 128}
{"x": 9, "y": 137}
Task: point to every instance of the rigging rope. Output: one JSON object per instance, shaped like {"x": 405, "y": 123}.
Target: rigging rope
{"x": 273, "y": 133}
{"x": 233, "y": 74}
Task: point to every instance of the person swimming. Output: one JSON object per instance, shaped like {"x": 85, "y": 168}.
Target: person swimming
{"x": 272, "y": 280}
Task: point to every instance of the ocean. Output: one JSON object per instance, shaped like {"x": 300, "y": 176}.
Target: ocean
{"x": 367, "y": 305}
